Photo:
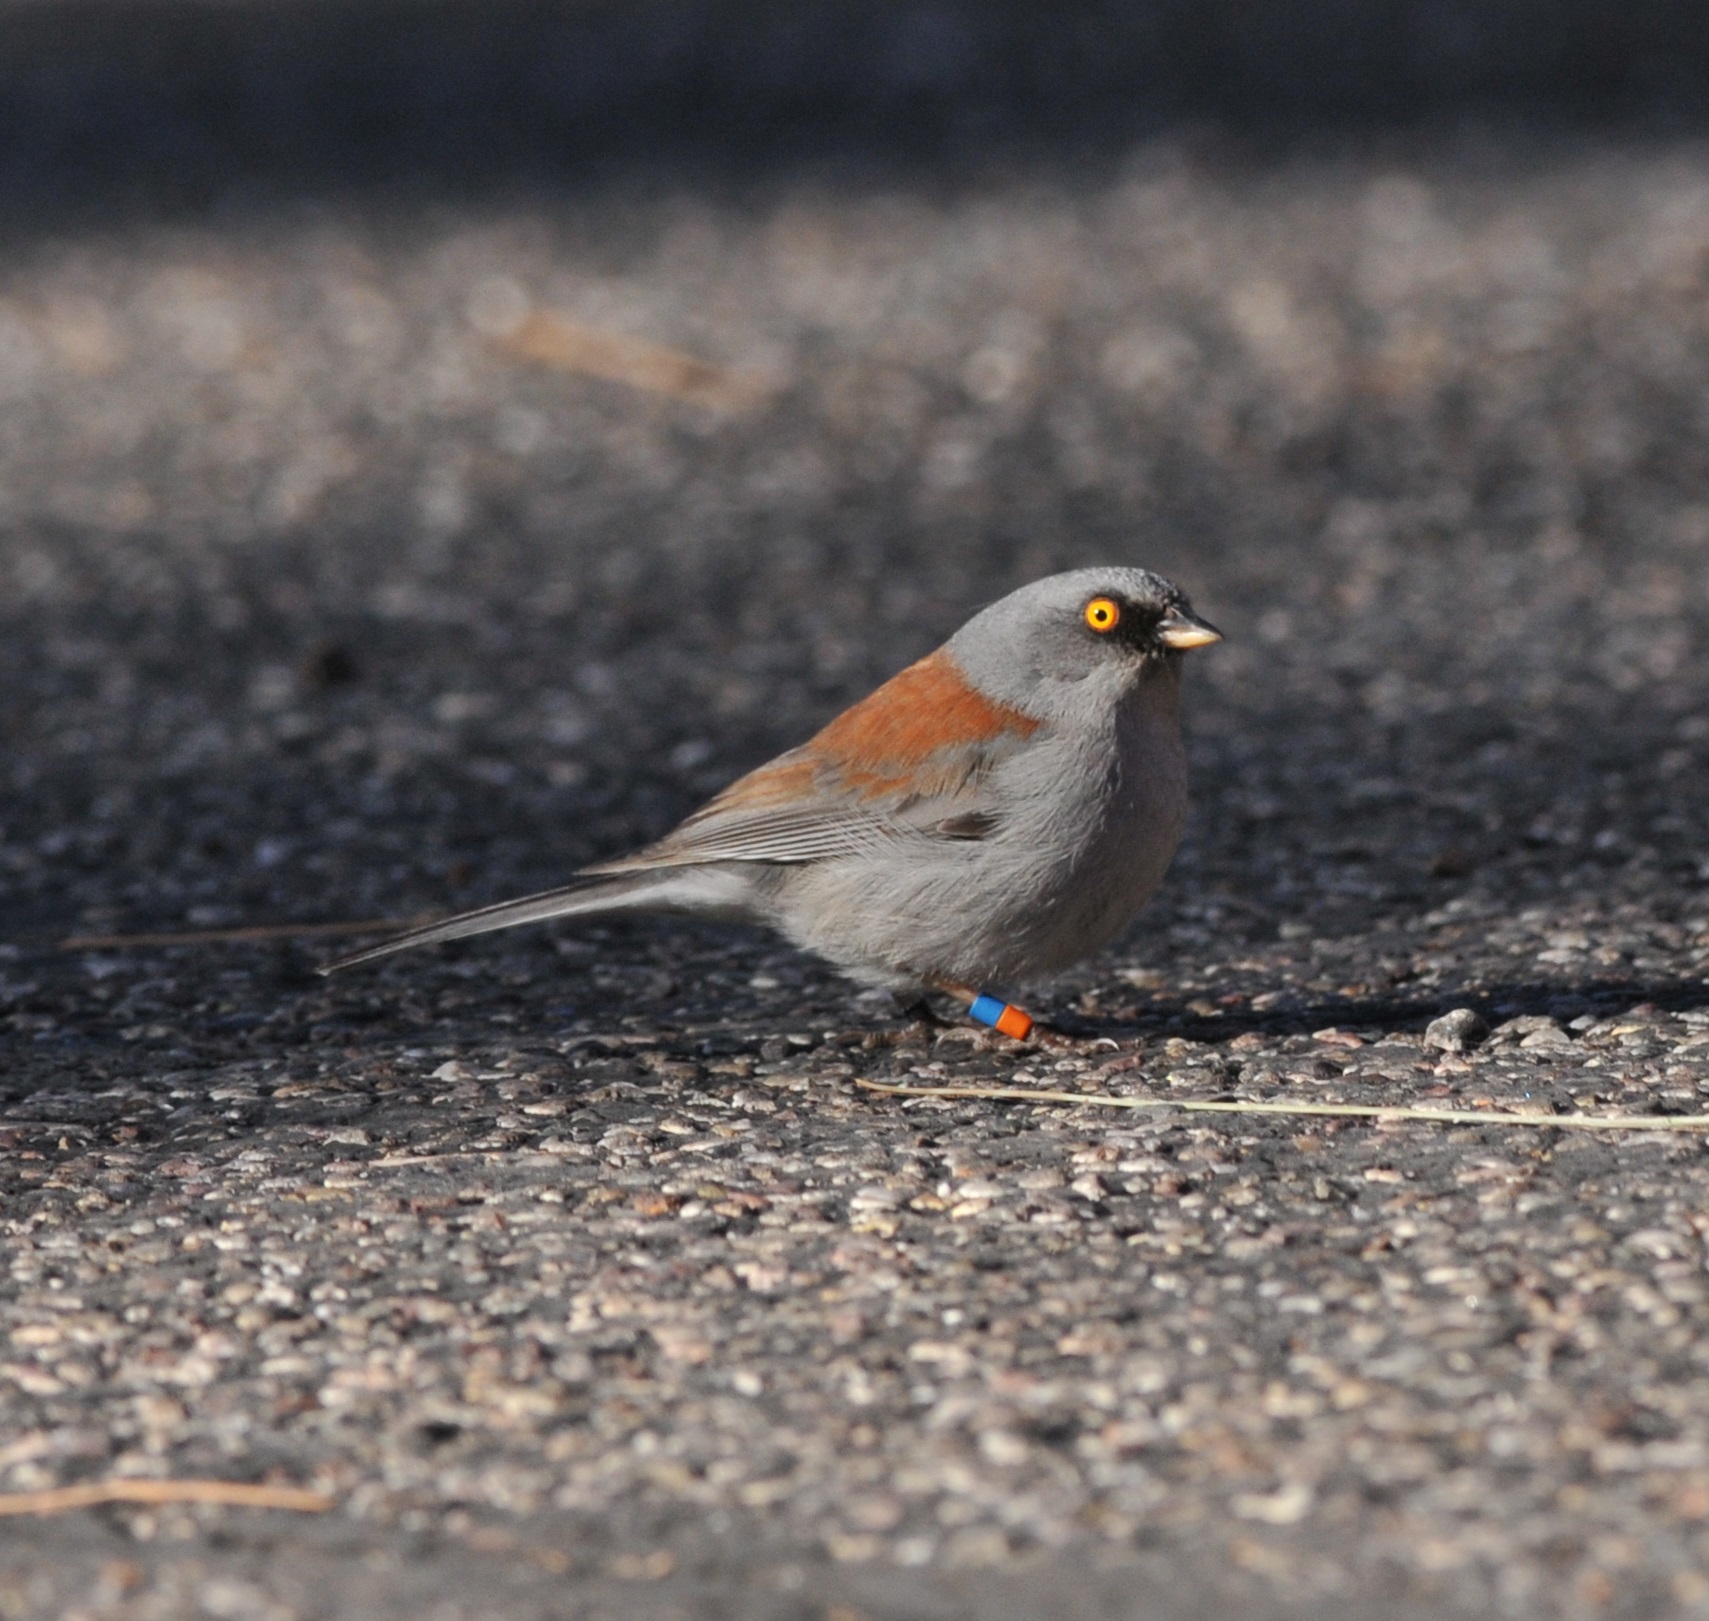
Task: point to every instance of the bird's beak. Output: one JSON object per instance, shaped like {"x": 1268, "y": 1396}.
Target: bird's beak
{"x": 1182, "y": 629}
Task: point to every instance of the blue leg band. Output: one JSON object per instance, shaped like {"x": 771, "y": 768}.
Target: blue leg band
{"x": 987, "y": 1009}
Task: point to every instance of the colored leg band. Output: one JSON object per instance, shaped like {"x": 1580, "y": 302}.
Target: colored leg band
{"x": 1010, "y": 1021}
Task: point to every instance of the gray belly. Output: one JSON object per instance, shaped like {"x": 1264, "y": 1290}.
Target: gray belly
{"x": 1060, "y": 879}
{"x": 1113, "y": 869}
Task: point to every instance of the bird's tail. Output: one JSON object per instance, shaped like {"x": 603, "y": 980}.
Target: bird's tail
{"x": 589, "y": 895}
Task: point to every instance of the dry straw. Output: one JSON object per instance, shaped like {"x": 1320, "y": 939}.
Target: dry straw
{"x": 1382, "y": 1113}
{"x": 233, "y": 1493}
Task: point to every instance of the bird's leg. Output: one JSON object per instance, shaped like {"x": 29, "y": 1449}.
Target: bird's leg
{"x": 1000, "y": 1016}
{"x": 1003, "y": 1017}
{"x": 1008, "y": 1020}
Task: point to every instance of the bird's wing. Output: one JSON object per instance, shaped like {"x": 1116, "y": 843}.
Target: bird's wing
{"x": 790, "y": 811}
{"x": 912, "y": 761}
{"x": 794, "y": 810}
{"x": 808, "y": 832}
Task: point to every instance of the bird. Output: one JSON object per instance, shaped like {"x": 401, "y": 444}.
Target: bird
{"x": 994, "y": 813}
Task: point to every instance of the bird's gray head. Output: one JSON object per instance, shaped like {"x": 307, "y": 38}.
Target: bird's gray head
{"x": 1104, "y": 626}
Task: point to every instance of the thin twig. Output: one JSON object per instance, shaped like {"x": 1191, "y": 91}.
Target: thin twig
{"x": 60, "y": 1499}
{"x": 1383, "y": 1112}
{"x": 261, "y": 931}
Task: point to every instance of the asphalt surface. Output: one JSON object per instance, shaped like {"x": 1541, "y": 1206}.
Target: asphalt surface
{"x": 573, "y": 1266}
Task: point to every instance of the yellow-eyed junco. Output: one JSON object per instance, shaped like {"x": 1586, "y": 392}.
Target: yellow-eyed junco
{"x": 996, "y": 811}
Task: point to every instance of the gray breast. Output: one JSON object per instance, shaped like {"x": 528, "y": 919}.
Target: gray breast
{"x": 1113, "y": 838}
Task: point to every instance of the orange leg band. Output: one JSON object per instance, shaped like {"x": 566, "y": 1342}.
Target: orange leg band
{"x": 1002, "y": 1017}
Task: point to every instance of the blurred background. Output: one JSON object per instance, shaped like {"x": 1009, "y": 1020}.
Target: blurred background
{"x": 439, "y": 442}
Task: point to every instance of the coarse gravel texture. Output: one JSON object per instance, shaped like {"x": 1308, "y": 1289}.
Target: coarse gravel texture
{"x": 573, "y": 1264}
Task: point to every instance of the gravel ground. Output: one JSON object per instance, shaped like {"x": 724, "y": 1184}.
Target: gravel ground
{"x": 573, "y": 1265}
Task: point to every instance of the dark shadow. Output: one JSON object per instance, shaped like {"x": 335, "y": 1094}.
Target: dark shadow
{"x": 178, "y": 107}
{"x": 1599, "y": 998}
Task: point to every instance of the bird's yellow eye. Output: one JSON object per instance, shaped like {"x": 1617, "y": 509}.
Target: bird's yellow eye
{"x": 1103, "y": 615}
